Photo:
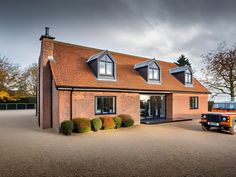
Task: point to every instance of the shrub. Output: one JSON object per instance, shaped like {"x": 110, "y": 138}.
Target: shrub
{"x": 127, "y": 120}
{"x": 82, "y": 125}
{"x": 118, "y": 121}
{"x": 67, "y": 127}
{"x": 129, "y": 123}
{"x": 96, "y": 124}
{"x": 108, "y": 122}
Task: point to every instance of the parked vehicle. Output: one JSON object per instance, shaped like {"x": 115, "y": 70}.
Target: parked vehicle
{"x": 223, "y": 116}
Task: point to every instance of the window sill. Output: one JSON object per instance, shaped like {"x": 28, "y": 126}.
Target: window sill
{"x": 188, "y": 85}
{"x": 105, "y": 113}
{"x": 154, "y": 82}
{"x": 111, "y": 80}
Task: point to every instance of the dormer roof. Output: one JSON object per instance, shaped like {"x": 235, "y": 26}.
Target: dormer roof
{"x": 180, "y": 69}
{"x": 145, "y": 63}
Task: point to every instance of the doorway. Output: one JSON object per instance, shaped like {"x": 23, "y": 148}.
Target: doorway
{"x": 152, "y": 106}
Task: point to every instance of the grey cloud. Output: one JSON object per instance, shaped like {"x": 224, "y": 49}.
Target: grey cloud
{"x": 152, "y": 28}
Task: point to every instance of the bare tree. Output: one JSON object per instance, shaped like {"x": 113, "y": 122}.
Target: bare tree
{"x": 29, "y": 80}
{"x": 221, "y": 70}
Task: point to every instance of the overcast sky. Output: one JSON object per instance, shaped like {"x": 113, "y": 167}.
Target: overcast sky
{"x": 163, "y": 29}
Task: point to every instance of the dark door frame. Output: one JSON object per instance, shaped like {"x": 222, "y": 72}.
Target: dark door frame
{"x": 152, "y": 97}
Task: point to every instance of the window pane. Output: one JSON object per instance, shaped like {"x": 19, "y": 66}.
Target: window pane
{"x": 112, "y": 105}
{"x": 106, "y": 105}
{"x": 188, "y": 78}
{"x": 109, "y": 68}
{"x": 196, "y": 103}
{"x": 155, "y": 74}
{"x": 102, "y": 69}
{"x": 193, "y": 102}
{"x": 150, "y": 75}
{"x": 98, "y": 105}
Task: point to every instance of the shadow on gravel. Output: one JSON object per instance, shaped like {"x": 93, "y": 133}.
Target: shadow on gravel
{"x": 197, "y": 127}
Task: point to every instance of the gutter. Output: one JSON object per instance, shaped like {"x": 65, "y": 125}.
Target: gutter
{"x": 71, "y": 92}
{"x": 65, "y": 88}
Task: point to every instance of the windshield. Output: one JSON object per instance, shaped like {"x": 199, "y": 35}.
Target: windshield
{"x": 231, "y": 106}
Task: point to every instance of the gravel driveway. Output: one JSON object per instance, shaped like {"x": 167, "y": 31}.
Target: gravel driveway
{"x": 174, "y": 149}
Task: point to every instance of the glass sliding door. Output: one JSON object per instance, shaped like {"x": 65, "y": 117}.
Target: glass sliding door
{"x": 152, "y": 106}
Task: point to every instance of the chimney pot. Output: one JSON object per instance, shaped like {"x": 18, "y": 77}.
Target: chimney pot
{"x": 46, "y": 35}
{"x": 47, "y": 31}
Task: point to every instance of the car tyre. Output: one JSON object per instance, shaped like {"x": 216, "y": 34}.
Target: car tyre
{"x": 232, "y": 130}
{"x": 205, "y": 127}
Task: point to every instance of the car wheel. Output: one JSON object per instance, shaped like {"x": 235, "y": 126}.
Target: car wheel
{"x": 232, "y": 129}
{"x": 205, "y": 127}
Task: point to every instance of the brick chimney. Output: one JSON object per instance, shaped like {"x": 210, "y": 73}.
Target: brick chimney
{"x": 44, "y": 93}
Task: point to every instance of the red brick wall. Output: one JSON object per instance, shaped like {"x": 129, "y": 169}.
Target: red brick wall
{"x": 45, "y": 83}
{"x": 83, "y": 104}
{"x": 64, "y": 105}
{"x": 55, "y": 106}
{"x": 178, "y": 106}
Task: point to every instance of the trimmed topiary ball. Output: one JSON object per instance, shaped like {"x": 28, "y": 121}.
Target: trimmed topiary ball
{"x": 118, "y": 121}
{"x": 96, "y": 124}
{"x": 127, "y": 120}
{"x": 82, "y": 125}
{"x": 129, "y": 123}
{"x": 67, "y": 127}
{"x": 108, "y": 122}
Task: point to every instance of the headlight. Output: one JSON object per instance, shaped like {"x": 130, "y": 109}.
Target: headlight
{"x": 204, "y": 116}
{"x": 224, "y": 119}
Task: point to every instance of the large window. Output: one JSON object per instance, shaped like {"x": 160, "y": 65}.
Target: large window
{"x": 193, "y": 102}
{"x": 106, "y": 66}
{"x": 188, "y": 77}
{"x": 154, "y": 72}
{"x": 105, "y": 105}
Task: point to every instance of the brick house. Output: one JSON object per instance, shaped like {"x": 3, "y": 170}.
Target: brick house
{"x": 77, "y": 81}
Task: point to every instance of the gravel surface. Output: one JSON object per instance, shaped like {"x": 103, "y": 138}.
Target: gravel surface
{"x": 173, "y": 149}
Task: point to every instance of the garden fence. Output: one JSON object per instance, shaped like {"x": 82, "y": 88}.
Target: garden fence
{"x": 17, "y": 106}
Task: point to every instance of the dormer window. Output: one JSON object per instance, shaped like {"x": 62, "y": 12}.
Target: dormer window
{"x": 103, "y": 66}
{"x": 184, "y": 74}
{"x": 154, "y": 72}
{"x": 150, "y": 71}
{"x": 188, "y": 77}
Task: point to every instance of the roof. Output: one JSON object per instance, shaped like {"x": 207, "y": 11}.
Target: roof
{"x": 180, "y": 69}
{"x": 70, "y": 69}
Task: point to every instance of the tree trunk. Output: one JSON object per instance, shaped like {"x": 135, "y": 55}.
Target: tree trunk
{"x": 232, "y": 86}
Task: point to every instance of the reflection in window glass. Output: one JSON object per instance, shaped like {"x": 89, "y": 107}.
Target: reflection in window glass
{"x": 193, "y": 103}
{"x": 150, "y": 74}
{"x": 105, "y": 105}
{"x": 98, "y": 105}
{"x": 109, "y": 68}
{"x": 188, "y": 77}
{"x": 106, "y": 66}
{"x": 112, "y": 105}
{"x": 102, "y": 67}
{"x": 155, "y": 74}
